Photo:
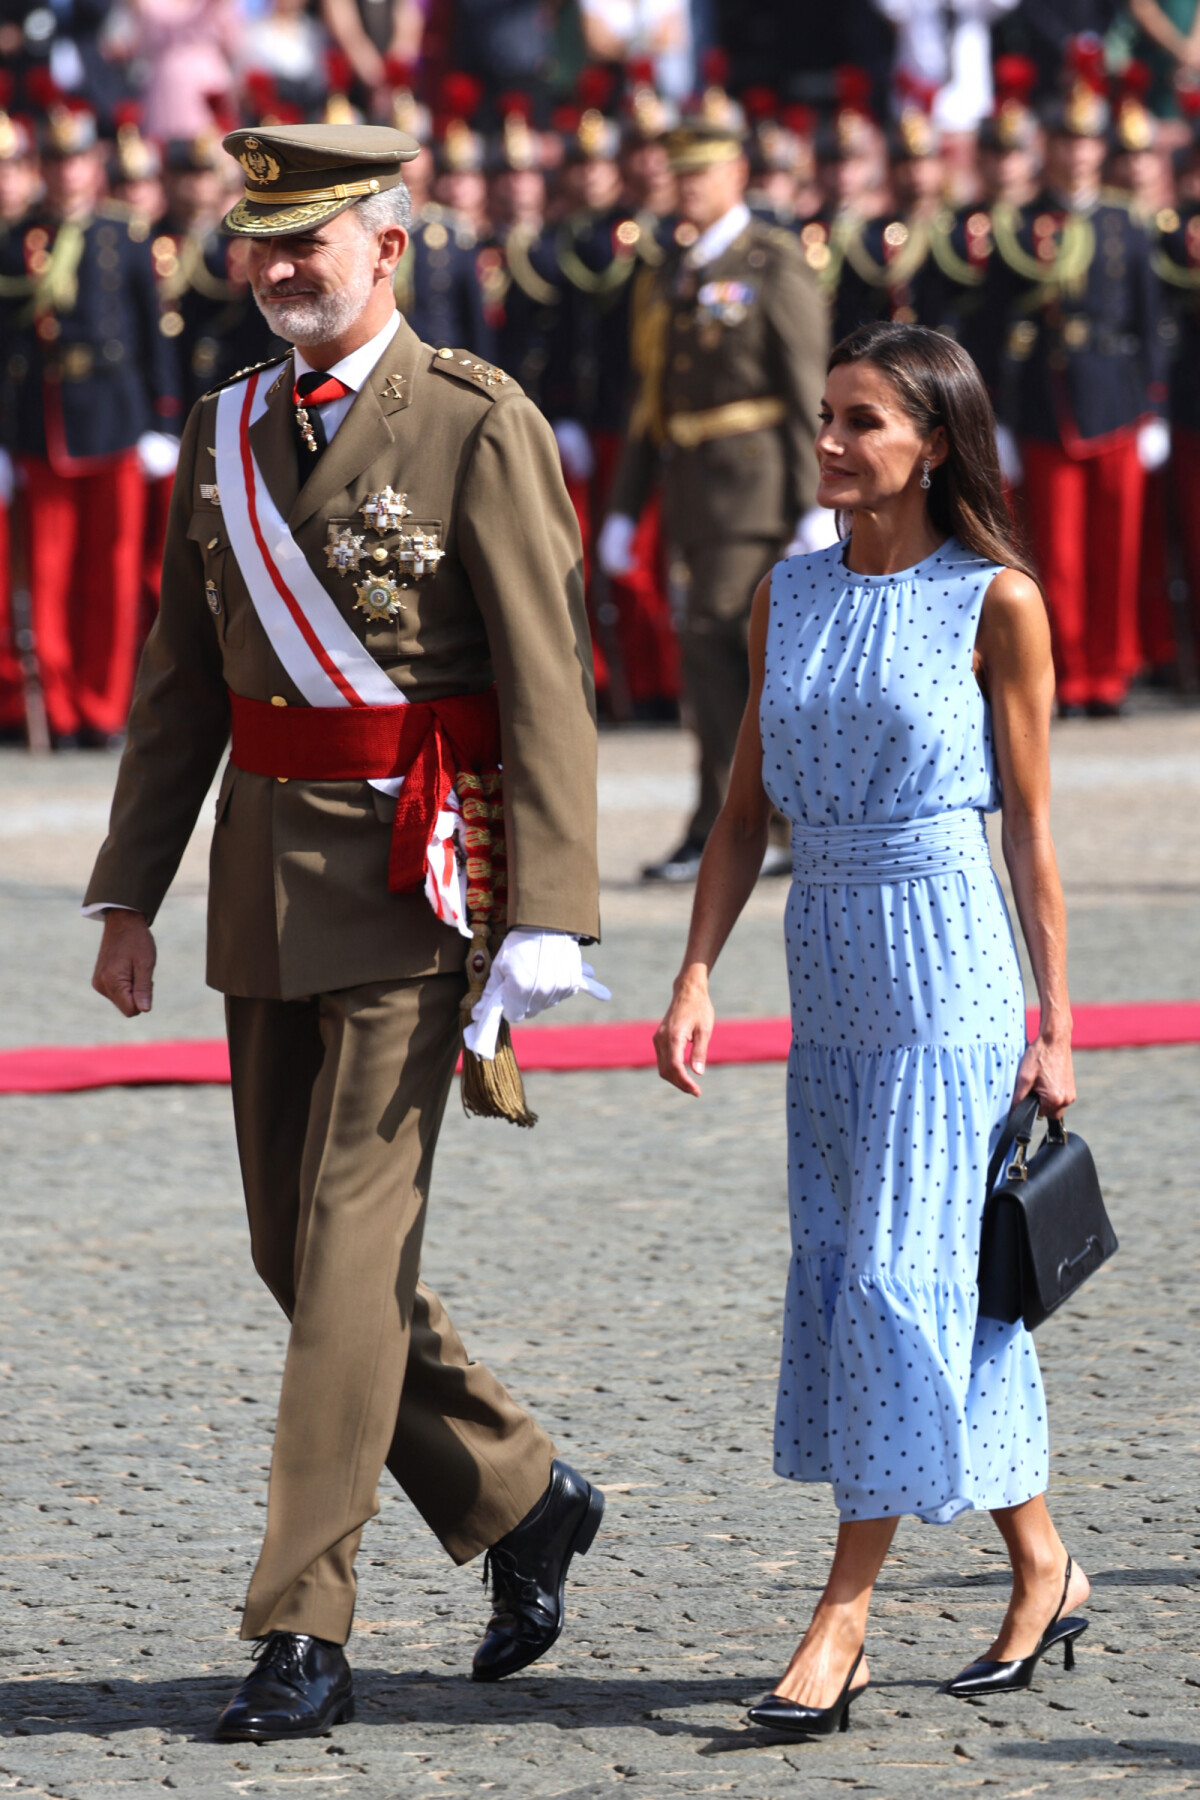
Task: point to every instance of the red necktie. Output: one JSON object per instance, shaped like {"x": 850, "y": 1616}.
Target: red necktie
{"x": 310, "y": 391}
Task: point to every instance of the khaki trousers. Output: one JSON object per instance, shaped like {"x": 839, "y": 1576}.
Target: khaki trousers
{"x": 338, "y": 1101}
{"x": 716, "y": 667}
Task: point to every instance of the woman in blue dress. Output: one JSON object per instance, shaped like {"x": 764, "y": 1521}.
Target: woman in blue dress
{"x": 902, "y": 688}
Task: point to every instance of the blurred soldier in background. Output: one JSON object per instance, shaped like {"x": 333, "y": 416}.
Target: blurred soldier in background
{"x": 1082, "y": 375}
{"x": 732, "y": 367}
{"x": 19, "y": 183}
{"x": 882, "y": 258}
{"x": 437, "y": 284}
{"x": 594, "y": 254}
{"x": 849, "y": 178}
{"x": 88, "y": 380}
{"x": 949, "y": 288}
{"x": 519, "y": 297}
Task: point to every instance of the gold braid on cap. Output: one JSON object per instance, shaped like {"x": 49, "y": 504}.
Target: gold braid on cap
{"x": 342, "y": 190}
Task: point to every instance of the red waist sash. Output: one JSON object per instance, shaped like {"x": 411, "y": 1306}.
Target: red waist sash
{"x": 429, "y": 742}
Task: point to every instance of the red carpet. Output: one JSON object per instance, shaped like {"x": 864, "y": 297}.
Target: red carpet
{"x": 60, "y": 1069}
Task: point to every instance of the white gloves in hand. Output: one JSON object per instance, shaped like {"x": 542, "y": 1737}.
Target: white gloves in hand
{"x": 532, "y": 970}
{"x": 157, "y": 455}
{"x": 614, "y": 546}
{"x": 1153, "y": 444}
{"x": 817, "y": 530}
{"x": 1012, "y": 469}
{"x": 575, "y": 449}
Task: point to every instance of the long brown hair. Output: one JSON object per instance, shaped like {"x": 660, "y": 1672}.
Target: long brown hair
{"x": 938, "y": 384}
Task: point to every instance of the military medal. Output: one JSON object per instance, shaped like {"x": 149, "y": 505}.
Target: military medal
{"x": 304, "y": 425}
{"x": 379, "y": 597}
{"x": 213, "y": 598}
{"x": 343, "y": 551}
{"x": 385, "y": 509}
{"x": 420, "y": 552}
{"x": 210, "y": 491}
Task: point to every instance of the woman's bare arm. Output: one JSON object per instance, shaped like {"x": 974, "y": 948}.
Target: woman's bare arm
{"x": 1017, "y": 674}
{"x": 730, "y": 867}
{"x": 1155, "y": 23}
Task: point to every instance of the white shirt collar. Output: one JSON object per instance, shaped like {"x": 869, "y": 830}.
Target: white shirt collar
{"x": 354, "y": 369}
{"x": 717, "y": 239}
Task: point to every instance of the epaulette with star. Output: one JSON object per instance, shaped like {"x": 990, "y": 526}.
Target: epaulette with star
{"x": 272, "y": 362}
{"x": 473, "y": 370}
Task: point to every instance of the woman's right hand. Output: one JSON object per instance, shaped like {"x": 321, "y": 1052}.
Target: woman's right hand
{"x": 683, "y": 1036}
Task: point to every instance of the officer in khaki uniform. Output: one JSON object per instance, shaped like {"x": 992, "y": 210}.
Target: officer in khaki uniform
{"x": 730, "y": 345}
{"x": 393, "y": 525}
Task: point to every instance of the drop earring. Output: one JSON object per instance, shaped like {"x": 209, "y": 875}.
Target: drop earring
{"x": 925, "y": 482}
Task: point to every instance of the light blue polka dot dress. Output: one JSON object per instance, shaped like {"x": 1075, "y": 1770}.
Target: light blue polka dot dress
{"x": 908, "y": 1029}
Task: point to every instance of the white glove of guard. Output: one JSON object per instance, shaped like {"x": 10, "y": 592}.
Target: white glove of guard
{"x": 614, "y": 546}
{"x": 1153, "y": 444}
{"x": 6, "y": 478}
{"x": 532, "y": 970}
{"x": 1012, "y": 469}
{"x": 575, "y": 449}
{"x": 817, "y": 530}
{"x": 157, "y": 455}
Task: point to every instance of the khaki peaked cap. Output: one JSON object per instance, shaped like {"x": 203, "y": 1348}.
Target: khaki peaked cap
{"x": 298, "y": 176}
{"x": 699, "y": 142}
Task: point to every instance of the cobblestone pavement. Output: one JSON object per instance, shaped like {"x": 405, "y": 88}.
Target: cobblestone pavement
{"x": 623, "y": 1268}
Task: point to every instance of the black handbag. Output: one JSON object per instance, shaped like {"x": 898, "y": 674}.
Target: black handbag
{"x": 1045, "y": 1229}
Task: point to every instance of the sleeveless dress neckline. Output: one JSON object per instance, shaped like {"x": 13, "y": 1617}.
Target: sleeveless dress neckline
{"x": 898, "y": 574}
{"x": 908, "y": 1030}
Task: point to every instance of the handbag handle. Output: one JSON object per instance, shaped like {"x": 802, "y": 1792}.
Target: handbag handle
{"x": 1022, "y": 1120}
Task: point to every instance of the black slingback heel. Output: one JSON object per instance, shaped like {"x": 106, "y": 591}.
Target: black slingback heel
{"x": 986, "y": 1677}
{"x": 778, "y": 1714}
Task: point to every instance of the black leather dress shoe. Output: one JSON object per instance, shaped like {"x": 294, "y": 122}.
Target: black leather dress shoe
{"x": 528, "y": 1572}
{"x": 299, "y": 1687}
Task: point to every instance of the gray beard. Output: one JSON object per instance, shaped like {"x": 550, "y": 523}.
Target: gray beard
{"x": 315, "y": 318}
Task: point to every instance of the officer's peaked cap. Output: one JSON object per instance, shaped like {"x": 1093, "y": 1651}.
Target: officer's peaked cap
{"x": 298, "y": 176}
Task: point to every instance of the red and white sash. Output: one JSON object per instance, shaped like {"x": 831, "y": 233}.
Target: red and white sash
{"x": 307, "y": 630}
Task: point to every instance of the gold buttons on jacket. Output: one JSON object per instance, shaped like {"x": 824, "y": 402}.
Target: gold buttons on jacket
{"x": 213, "y": 542}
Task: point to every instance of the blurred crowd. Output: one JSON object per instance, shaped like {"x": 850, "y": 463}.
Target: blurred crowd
{"x": 985, "y": 167}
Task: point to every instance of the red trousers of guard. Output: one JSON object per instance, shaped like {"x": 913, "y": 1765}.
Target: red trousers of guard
{"x": 154, "y": 543}
{"x": 12, "y": 705}
{"x": 84, "y": 534}
{"x": 645, "y": 634}
{"x": 1085, "y": 526}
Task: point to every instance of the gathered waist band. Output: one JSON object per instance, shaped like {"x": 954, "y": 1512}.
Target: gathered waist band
{"x": 911, "y": 850}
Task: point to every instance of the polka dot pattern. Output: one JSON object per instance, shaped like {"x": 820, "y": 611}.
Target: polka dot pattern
{"x": 908, "y": 1029}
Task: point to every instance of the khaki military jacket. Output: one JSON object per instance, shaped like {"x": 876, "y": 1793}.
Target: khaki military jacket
{"x": 298, "y": 895}
{"x": 748, "y": 326}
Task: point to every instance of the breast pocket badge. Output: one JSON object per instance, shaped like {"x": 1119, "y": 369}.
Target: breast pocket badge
{"x": 725, "y": 302}
{"x": 212, "y": 597}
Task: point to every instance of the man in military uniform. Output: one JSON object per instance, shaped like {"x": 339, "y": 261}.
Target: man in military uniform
{"x": 88, "y": 385}
{"x": 882, "y": 258}
{"x": 18, "y": 184}
{"x": 519, "y": 298}
{"x": 949, "y": 288}
{"x": 1176, "y": 263}
{"x": 372, "y": 575}
{"x": 438, "y": 288}
{"x": 1081, "y": 371}
{"x": 595, "y": 252}
{"x": 733, "y": 367}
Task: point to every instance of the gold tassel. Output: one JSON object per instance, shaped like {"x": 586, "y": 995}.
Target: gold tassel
{"x": 490, "y": 1090}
